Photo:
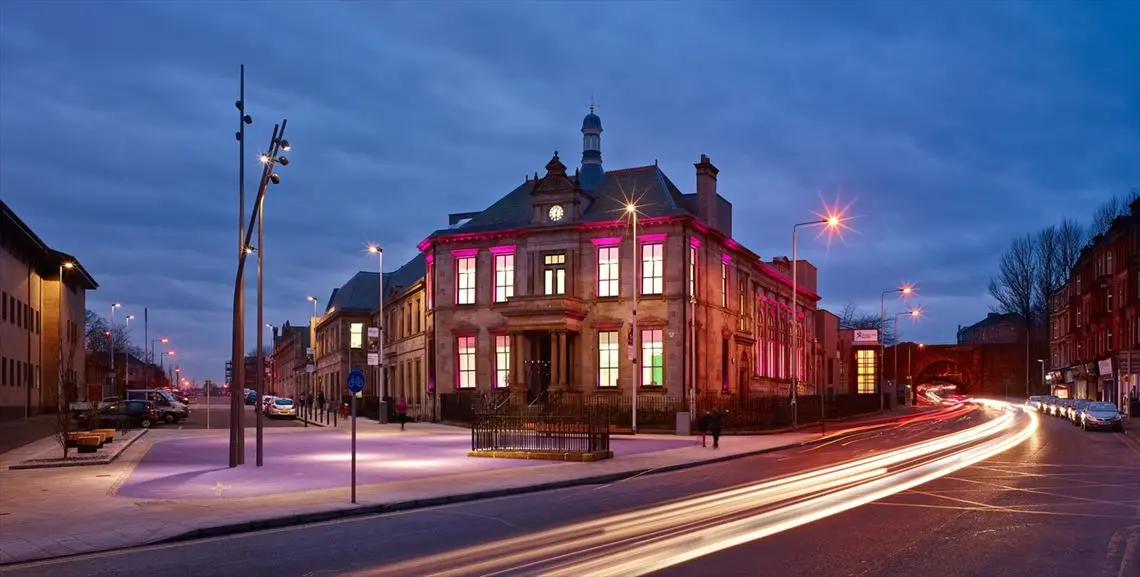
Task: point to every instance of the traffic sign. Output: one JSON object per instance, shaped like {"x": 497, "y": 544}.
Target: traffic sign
{"x": 355, "y": 381}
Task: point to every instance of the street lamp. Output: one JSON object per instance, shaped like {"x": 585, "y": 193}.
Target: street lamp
{"x": 832, "y": 222}
{"x": 904, "y": 291}
{"x": 150, "y": 359}
{"x": 914, "y": 314}
{"x": 1042, "y": 361}
{"x": 631, "y": 210}
{"x": 382, "y": 379}
{"x": 313, "y": 300}
{"x": 127, "y": 356}
{"x": 59, "y": 373}
{"x": 269, "y": 160}
{"x": 111, "y": 334}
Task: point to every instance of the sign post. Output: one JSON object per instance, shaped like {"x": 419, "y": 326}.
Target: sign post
{"x": 355, "y": 386}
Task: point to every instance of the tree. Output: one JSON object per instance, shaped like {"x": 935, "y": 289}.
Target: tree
{"x": 1109, "y": 210}
{"x": 1071, "y": 238}
{"x": 95, "y": 335}
{"x": 853, "y": 318}
{"x": 69, "y": 393}
{"x": 1048, "y": 274}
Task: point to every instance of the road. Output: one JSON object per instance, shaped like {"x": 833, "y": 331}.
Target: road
{"x": 219, "y": 416}
{"x": 1064, "y": 502}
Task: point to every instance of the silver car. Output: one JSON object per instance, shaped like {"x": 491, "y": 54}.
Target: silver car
{"x": 281, "y": 407}
{"x": 1100, "y": 415}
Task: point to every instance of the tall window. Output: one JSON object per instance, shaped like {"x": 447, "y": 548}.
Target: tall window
{"x": 465, "y": 280}
{"x": 504, "y": 277}
{"x": 554, "y": 274}
{"x": 608, "y": 271}
{"x": 502, "y": 360}
{"x": 466, "y": 377}
{"x": 608, "y": 369}
{"x": 1108, "y": 298}
{"x": 356, "y": 335}
{"x": 652, "y": 269}
{"x": 429, "y": 284}
{"x": 865, "y": 370}
{"x": 652, "y": 358}
{"x": 724, "y": 284}
{"x": 692, "y": 271}
{"x": 742, "y": 303}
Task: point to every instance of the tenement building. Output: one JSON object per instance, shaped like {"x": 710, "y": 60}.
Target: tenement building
{"x": 541, "y": 291}
{"x": 404, "y": 334}
{"x": 42, "y": 304}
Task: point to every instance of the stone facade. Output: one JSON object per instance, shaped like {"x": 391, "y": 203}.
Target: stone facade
{"x": 43, "y": 299}
{"x": 289, "y": 372}
{"x": 404, "y": 342}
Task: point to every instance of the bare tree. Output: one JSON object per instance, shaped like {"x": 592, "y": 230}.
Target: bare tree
{"x": 95, "y": 331}
{"x": 1046, "y": 257}
{"x": 853, "y": 318}
{"x": 1071, "y": 238}
{"x": 1109, "y": 210}
{"x": 69, "y": 393}
{"x": 1014, "y": 286}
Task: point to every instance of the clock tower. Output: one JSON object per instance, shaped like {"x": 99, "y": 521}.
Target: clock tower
{"x": 557, "y": 198}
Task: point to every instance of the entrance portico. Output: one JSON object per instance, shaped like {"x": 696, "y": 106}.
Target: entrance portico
{"x": 544, "y": 333}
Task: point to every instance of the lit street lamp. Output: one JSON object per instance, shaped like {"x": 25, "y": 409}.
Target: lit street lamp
{"x": 127, "y": 356}
{"x": 904, "y": 291}
{"x": 150, "y": 359}
{"x": 111, "y": 334}
{"x": 313, "y": 300}
{"x": 1027, "y": 392}
{"x": 914, "y": 314}
{"x": 269, "y": 160}
{"x": 61, "y": 399}
{"x": 634, "y": 338}
{"x": 382, "y": 379}
{"x": 832, "y": 222}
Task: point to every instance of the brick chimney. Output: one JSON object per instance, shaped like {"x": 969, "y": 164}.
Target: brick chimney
{"x": 706, "y": 191}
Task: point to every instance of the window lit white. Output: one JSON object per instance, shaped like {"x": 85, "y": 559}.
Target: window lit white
{"x": 608, "y": 369}
{"x": 652, "y": 269}
{"x": 356, "y": 335}
{"x": 608, "y": 271}
{"x": 724, "y": 284}
{"x": 692, "y": 270}
{"x": 554, "y": 274}
{"x": 466, "y": 377}
{"x": 504, "y": 277}
{"x": 465, "y": 280}
{"x": 502, "y": 361}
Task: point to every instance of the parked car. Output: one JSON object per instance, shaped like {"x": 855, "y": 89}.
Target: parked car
{"x": 281, "y": 407}
{"x": 139, "y": 413}
{"x": 1033, "y": 401}
{"x": 1075, "y": 410}
{"x": 1101, "y": 415}
{"x": 250, "y": 397}
{"x": 169, "y": 407}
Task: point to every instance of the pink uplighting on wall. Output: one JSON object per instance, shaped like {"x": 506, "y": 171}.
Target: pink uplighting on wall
{"x": 430, "y": 258}
{"x": 464, "y": 252}
{"x": 694, "y": 242}
{"x": 606, "y": 241}
{"x": 504, "y": 249}
{"x": 651, "y": 238}
{"x": 726, "y": 258}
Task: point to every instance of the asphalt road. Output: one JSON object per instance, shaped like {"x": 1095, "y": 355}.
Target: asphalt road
{"x": 1063, "y": 503}
{"x": 218, "y": 416}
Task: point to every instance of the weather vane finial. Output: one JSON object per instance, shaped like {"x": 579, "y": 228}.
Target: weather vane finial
{"x": 592, "y": 103}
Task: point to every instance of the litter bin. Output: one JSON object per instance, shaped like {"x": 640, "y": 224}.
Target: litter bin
{"x": 684, "y": 424}
{"x": 383, "y": 417}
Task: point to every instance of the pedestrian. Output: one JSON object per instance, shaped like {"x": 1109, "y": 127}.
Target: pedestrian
{"x": 716, "y": 423}
{"x": 703, "y": 427}
{"x": 402, "y": 411}
{"x": 321, "y": 401}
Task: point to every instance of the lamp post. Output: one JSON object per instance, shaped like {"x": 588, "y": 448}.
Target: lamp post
{"x": 381, "y": 378}
{"x": 830, "y": 222}
{"x": 115, "y": 375}
{"x": 914, "y": 314}
{"x": 127, "y": 355}
{"x": 59, "y": 373}
{"x": 905, "y": 291}
{"x": 1042, "y": 361}
{"x": 313, "y": 300}
{"x": 631, "y": 209}
{"x": 153, "y": 353}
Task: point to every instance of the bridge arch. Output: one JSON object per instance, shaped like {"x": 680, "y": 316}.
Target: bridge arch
{"x": 946, "y": 369}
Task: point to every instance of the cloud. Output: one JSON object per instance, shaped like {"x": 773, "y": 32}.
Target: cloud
{"x": 952, "y": 130}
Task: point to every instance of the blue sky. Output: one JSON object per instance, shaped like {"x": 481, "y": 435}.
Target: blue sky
{"x": 953, "y": 127}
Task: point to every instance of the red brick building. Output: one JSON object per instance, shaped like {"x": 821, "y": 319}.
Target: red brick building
{"x": 1095, "y": 326}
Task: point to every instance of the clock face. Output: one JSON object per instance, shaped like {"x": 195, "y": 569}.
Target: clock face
{"x": 556, "y": 213}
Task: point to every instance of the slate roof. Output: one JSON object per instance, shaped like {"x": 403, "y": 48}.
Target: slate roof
{"x": 46, "y": 259}
{"x": 655, "y": 194}
{"x": 361, "y": 292}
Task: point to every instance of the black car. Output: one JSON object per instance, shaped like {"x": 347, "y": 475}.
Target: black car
{"x": 138, "y": 413}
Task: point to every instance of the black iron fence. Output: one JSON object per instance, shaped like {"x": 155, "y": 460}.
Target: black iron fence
{"x": 658, "y": 413}
{"x": 581, "y": 434}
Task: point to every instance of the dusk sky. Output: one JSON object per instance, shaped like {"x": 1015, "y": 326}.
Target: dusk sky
{"x": 952, "y": 127}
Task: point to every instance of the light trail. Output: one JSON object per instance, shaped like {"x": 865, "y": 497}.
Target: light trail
{"x": 647, "y": 540}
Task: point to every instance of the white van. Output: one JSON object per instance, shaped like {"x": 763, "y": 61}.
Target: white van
{"x": 169, "y": 408}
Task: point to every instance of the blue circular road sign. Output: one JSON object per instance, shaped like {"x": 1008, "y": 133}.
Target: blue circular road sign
{"x": 355, "y": 381}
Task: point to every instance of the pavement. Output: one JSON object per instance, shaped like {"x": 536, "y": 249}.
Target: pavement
{"x": 885, "y": 539}
{"x": 19, "y": 432}
{"x": 1063, "y": 503}
{"x": 175, "y": 483}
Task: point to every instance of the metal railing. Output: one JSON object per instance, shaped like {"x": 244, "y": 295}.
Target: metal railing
{"x": 544, "y": 433}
